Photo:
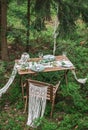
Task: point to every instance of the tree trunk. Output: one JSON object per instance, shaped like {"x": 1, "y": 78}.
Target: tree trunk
{"x": 0, "y": 29}
{"x": 28, "y": 24}
{"x": 4, "y": 48}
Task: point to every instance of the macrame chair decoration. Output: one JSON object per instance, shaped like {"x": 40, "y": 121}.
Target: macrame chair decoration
{"x": 37, "y": 103}
{"x": 51, "y": 92}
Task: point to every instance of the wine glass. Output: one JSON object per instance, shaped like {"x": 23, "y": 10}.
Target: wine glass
{"x": 25, "y": 56}
{"x": 40, "y": 54}
{"x": 64, "y": 53}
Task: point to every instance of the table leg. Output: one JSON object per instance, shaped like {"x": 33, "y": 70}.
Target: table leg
{"x": 65, "y": 76}
{"x": 20, "y": 80}
{"x": 22, "y": 86}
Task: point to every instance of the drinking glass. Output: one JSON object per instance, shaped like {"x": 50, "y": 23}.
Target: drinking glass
{"x": 64, "y": 53}
{"x": 40, "y": 54}
{"x": 25, "y": 56}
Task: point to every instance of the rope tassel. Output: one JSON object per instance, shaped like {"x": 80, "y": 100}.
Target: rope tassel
{"x": 82, "y": 81}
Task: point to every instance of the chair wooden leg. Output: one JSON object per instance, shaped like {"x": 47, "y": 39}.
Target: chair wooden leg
{"x": 52, "y": 108}
{"x": 65, "y": 75}
{"x": 25, "y": 107}
{"x": 23, "y": 93}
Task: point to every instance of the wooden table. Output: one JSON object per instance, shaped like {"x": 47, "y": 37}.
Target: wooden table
{"x": 22, "y": 73}
{"x": 49, "y": 69}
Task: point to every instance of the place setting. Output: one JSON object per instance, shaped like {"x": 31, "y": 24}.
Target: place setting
{"x": 45, "y": 61}
{"x": 42, "y": 62}
{"x": 65, "y": 63}
{"x": 37, "y": 67}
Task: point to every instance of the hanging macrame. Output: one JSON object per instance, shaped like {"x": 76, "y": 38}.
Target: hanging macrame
{"x": 81, "y": 81}
{"x": 24, "y": 58}
{"x": 55, "y": 34}
{"x": 37, "y": 103}
{"x": 4, "y": 89}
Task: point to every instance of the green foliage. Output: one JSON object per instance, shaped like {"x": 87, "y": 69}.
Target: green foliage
{"x": 73, "y": 91}
{"x": 47, "y": 125}
{"x": 11, "y": 125}
{"x": 2, "y": 72}
{"x": 74, "y": 121}
{"x": 15, "y": 93}
{"x": 2, "y": 67}
{"x": 72, "y": 99}
{"x": 68, "y": 13}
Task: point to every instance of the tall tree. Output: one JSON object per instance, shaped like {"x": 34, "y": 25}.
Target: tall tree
{"x": 4, "y": 48}
{"x": 69, "y": 11}
{"x": 0, "y": 27}
{"x": 42, "y": 11}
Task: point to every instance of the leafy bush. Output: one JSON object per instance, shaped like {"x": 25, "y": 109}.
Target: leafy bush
{"x": 47, "y": 125}
{"x": 73, "y": 90}
{"x": 2, "y": 68}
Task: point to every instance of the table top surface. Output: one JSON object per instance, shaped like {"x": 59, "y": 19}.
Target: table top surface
{"x": 47, "y": 69}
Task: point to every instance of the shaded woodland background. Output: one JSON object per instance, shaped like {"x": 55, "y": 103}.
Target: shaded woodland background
{"x": 29, "y": 26}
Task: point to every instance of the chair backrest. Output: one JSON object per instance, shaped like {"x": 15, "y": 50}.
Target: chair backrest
{"x": 51, "y": 89}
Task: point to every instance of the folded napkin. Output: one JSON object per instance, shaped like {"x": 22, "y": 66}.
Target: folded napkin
{"x": 64, "y": 63}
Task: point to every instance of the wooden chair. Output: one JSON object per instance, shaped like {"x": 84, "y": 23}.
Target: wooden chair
{"x": 51, "y": 91}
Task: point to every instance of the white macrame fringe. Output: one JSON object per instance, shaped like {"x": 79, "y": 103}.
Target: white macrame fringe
{"x": 37, "y": 104}
{"x": 81, "y": 81}
{"x": 4, "y": 89}
{"x": 55, "y": 34}
{"x": 24, "y": 58}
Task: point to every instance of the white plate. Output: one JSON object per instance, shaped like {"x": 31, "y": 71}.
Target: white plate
{"x": 37, "y": 68}
{"x": 49, "y": 57}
